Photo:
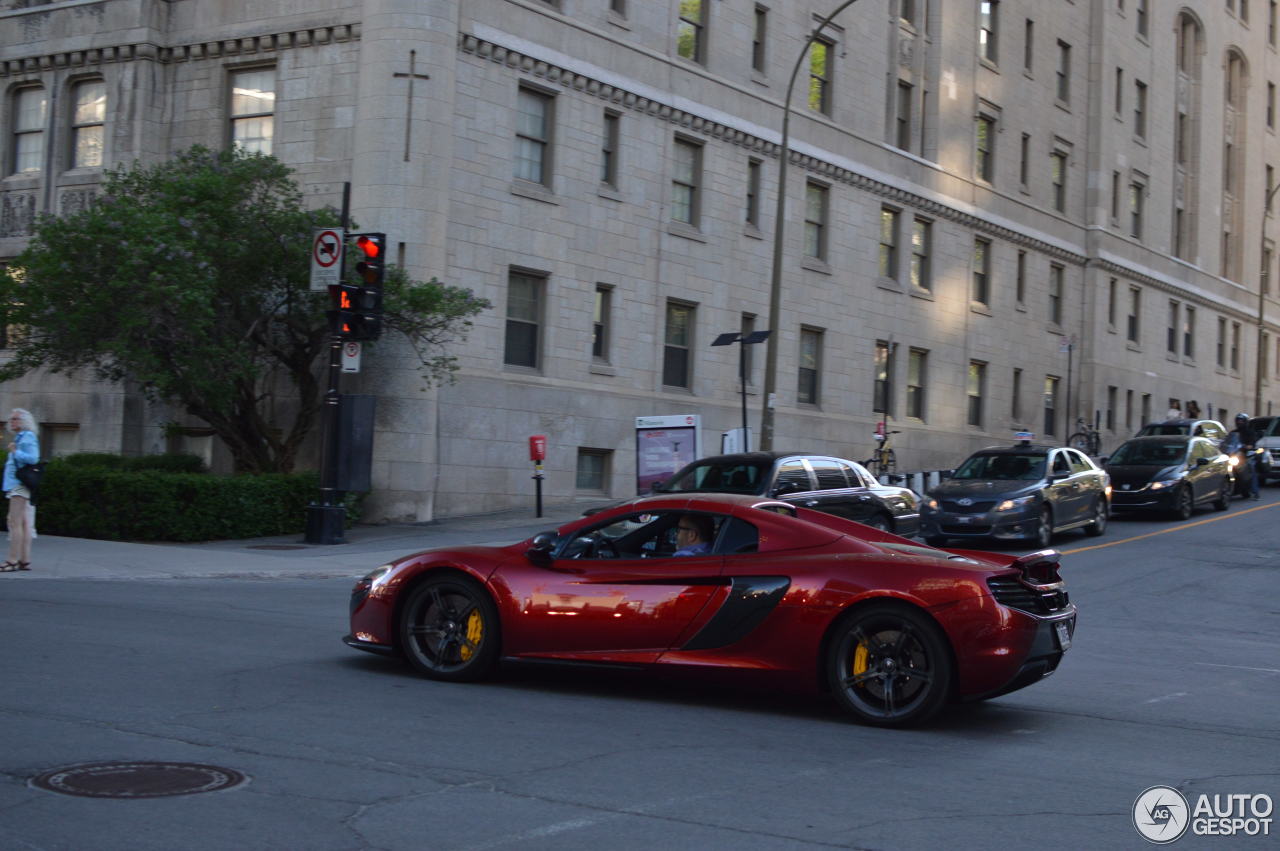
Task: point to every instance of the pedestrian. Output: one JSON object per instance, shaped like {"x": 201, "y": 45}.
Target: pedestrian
{"x": 24, "y": 450}
{"x": 1247, "y": 439}
{"x": 1193, "y": 410}
{"x": 1175, "y": 411}
{"x": 693, "y": 535}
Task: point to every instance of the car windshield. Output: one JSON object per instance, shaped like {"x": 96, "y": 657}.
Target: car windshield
{"x": 1149, "y": 453}
{"x": 1266, "y": 426}
{"x": 1003, "y": 465}
{"x": 718, "y": 477}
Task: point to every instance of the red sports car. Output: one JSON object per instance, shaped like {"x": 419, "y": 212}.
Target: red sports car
{"x": 894, "y": 630}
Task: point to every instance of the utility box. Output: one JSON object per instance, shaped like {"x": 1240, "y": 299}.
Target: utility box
{"x": 355, "y": 455}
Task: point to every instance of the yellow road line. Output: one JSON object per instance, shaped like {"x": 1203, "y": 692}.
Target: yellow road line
{"x": 1177, "y": 528}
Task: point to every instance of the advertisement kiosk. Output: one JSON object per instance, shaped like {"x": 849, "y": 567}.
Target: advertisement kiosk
{"x": 664, "y": 445}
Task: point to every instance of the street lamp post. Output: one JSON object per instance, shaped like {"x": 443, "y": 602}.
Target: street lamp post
{"x": 1264, "y": 273}
{"x": 744, "y": 340}
{"x": 779, "y": 225}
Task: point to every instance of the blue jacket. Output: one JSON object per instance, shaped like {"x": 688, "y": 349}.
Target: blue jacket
{"x": 27, "y": 451}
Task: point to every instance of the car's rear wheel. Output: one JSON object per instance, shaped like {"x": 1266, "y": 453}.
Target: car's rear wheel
{"x": 1044, "y": 530}
{"x": 889, "y": 665}
{"x": 1184, "y": 504}
{"x": 449, "y": 629}
{"x": 1101, "y": 514}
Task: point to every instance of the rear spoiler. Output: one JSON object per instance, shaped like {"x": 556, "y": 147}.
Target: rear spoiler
{"x": 1040, "y": 569}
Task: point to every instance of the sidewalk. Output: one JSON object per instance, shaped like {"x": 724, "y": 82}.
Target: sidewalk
{"x": 55, "y": 557}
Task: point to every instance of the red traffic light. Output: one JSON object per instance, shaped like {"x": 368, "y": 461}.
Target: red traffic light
{"x": 370, "y": 246}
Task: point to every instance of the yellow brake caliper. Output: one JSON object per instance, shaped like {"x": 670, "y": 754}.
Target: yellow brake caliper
{"x": 475, "y": 631}
{"x": 860, "y": 656}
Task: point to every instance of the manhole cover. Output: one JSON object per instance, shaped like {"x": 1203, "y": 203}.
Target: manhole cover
{"x": 137, "y": 779}
{"x": 276, "y": 547}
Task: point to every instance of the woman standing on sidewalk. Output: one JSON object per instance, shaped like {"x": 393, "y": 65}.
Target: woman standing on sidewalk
{"x": 23, "y": 450}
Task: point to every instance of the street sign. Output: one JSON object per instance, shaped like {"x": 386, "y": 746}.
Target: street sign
{"x": 350, "y": 357}
{"x": 326, "y": 258}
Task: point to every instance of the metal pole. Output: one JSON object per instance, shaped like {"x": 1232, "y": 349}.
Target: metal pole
{"x": 1262, "y": 304}
{"x": 779, "y": 229}
{"x": 742, "y": 378}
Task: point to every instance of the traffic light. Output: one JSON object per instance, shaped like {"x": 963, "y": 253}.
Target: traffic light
{"x": 358, "y": 306}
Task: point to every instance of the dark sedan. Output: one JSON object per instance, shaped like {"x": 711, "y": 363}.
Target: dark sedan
{"x": 1172, "y": 473}
{"x": 1023, "y": 492}
{"x": 833, "y": 485}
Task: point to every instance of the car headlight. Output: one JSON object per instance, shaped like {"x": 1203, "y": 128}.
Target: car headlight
{"x": 373, "y": 579}
{"x": 1010, "y": 504}
{"x": 1164, "y": 483}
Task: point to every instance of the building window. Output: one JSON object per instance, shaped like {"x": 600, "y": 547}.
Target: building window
{"x": 882, "y": 393}
{"x": 1271, "y": 23}
{"x": 1111, "y": 303}
{"x": 1140, "y": 109}
{"x": 29, "y": 105}
{"x": 981, "y": 293}
{"x": 1171, "y": 333}
{"x": 888, "y": 243}
{"x": 1140, "y": 15}
{"x": 758, "y": 35}
{"x": 821, "y": 56}
{"x": 618, "y": 7}
{"x": 685, "y": 182}
{"x": 1051, "y": 383}
{"x": 1133, "y": 325}
{"x": 1020, "y": 279}
{"x": 917, "y": 366}
{"x": 1119, "y": 91}
{"x": 1271, "y": 105}
{"x": 533, "y": 136}
{"x": 810, "y": 364}
{"x": 524, "y": 319}
{"x": 1058, "y": 176}
{"x": 985, "y": 128}
{"x": 253, "y": 104}
{"x": 1222, "y": 343}
{"x": 902, "y": 121}
{"x": 989, "y": 30}
{"x": 1115, "y": 196}
{"x": 1137, "y": 194}
{"x": 815, "y": 221}
{"x": 1235, "y": 346}
{"x": 1189, "y": 332}
{"x": 601, "y": 320}
{"x": 921, "y": 248}
{"x": 1112, "y": 393}
{"x": 691, "y": 30}
{"x": 676, "y": 364}
{"x": 1128, "y": 410}
{"x": 609, "y": 149}
{"x": 1057, "y": 274}
{"x": 87, "y": 119}
{"x": 1024, "y": 159}
{"x": 907, "y": 12}
{"x": 1146, "y": 407}
{"x": 1015, "y": 398}
{"x": 977, "y": 385}
{"x": 593, "y": 468}
{"x": 1064, "y": 72}
{"x": 1028, "y": 45}
{"x": 754, "y": 167}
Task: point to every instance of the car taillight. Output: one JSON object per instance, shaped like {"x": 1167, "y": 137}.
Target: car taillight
{"x": 1040, "y": 569}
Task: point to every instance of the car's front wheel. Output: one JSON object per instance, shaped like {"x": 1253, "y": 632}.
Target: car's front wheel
{"x": 1044, "y": 530}
{"x": 879, "y": 521}
{"x": 1223, "y": 502}
{"x": 1184, "y": 504}
{"x": 1101, "y": 514}
{"x": 889, "y": 665}
{"x": 449, "y": 629}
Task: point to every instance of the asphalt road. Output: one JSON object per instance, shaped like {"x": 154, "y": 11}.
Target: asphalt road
{"x": 1174, "y": 679}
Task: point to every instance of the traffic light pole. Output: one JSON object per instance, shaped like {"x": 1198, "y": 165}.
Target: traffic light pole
{"x": 326, "y": 519}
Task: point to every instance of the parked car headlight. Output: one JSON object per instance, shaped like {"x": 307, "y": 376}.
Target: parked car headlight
{"x": 1010, "y": 504}
{"x": 1164, "y": 483}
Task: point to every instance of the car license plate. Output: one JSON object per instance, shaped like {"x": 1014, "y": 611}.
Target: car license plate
{"x": 964, "y": 521}
{"x": 1064, "y": 634}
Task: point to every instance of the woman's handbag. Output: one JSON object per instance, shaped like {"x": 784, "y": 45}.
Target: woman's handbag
{"x": 30, "y": 475}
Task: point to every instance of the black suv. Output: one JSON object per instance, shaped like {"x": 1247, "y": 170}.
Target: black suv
{"x": 1018, "y": 492}
{"x": 834, "y": 485}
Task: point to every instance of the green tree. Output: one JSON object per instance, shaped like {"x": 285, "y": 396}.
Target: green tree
{"x": 191, "y": 278}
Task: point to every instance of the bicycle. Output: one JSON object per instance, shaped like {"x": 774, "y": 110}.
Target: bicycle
{"x": 1087, "y": 439}
{"x": 882, "y": 461}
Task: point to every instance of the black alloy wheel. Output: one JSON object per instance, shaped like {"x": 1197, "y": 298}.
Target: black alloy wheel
{"x": 1044, "y": 529}
{"x": 889, "y": 665}
{"x": 1184, "y": 504}
{"x": 449, "y": 629}
{"x": 1101, "y": 514}
{"x": 1223, "y": 502}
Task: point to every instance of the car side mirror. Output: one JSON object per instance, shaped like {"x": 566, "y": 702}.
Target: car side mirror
{"x": 541, "y": 547}
{"x": 785, "y": 488}
{"x": 656, "y": 486}
{"x": 1200, "y": 462}
{"x": 1102, "y": 461}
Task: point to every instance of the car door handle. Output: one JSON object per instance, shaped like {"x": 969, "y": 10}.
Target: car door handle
{"x": 810, "y": 503}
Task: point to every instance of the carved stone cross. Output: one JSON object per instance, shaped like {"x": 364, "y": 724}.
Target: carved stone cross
{"x": 411, "y": 76}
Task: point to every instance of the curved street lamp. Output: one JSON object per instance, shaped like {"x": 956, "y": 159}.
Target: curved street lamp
{"x": 1264, "y": 272}
{"x": 779, "y": 226}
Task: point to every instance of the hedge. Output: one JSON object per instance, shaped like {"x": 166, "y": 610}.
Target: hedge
{"x": 110, "y": 501}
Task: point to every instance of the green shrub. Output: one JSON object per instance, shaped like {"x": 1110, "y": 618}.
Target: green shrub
{"x": 171, "y": 463}
{"x": 90, "y": 499}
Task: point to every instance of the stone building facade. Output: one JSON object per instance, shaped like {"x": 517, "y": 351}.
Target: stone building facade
{"x": 999, "y": 215}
